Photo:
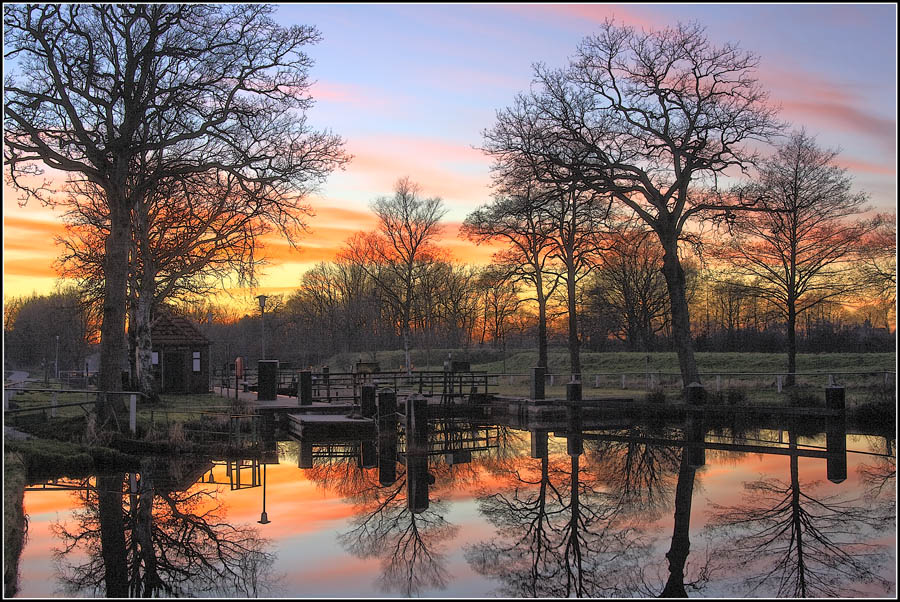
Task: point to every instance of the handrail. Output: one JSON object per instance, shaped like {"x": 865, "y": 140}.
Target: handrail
{"x": 48, "y": 390}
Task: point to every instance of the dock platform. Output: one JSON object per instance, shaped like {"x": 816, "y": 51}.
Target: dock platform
{"x": 329, "y": 425}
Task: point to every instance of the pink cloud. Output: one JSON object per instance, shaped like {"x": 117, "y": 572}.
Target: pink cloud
{"x": 868, "y": 167}
{"x": 432, "y": 163}
{"x": 845, "y": 117}
{"x": 597, "y": 13}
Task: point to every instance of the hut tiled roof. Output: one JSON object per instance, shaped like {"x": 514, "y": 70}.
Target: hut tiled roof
{"x": 176, "y": 330}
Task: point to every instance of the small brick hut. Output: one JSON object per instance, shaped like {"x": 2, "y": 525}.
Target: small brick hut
{"x": 180, "y": 355}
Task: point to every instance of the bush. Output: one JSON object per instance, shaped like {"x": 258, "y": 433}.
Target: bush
{"x": 803, "y": 398}
{"x": 656, "y": 396}
{"x": 733, "y": 396}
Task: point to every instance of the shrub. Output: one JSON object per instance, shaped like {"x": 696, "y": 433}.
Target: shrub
{"x": 803, "y": 398}
{"x": 656, "y": 396}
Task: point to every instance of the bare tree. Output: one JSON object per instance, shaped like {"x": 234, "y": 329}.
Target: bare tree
{"x": 798, "y": 251}
{"x": 515, "y": 219}
{"x": 798, "y": 544}
{"x": 878, "y": 263}
{"x": 144, "y": 541}
{"x": 396, "y": 256}
{"x": 126, "y": 97}
{"x": 651, "y": 118}
{"x": 629, "y": 285}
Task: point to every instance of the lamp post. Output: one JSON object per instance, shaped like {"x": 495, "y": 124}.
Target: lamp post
{"x": 262, "y": 310}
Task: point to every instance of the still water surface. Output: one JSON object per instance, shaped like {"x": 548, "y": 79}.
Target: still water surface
{"x": 626, "y": 512}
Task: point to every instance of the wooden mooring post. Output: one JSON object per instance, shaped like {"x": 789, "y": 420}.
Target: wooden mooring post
{"x": 304, "y": 388}
{"x": 367, "y": 401}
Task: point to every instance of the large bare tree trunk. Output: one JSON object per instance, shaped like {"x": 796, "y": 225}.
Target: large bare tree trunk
{"x": 792, "y": 343}
{"x": 112, "y": 328}
{"x": 681, "y": 317}
{"x": 542, "y": 330}
{"x": 574, "y": 345}
{"x": 144, "y": 346}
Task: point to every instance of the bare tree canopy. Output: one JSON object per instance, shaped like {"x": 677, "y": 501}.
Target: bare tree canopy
{"x": 651, "y": 118}
{"x": 398, "y": 254}
{"x": 516, "y": 219}
{"x": 128, "y": 97}
{"x": 797, "y": 252}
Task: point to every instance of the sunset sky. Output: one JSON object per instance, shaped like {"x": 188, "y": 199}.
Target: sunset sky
{"x": 412, "y": 87}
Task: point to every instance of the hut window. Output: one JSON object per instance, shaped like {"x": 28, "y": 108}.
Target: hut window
{"x": 196, "y": 361}
{"x": 154, "y": 358}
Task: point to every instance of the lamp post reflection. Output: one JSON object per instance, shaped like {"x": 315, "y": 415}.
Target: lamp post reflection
{"x": 263, "y": 517}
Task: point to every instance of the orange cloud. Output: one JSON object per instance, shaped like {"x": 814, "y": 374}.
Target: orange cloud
{"x": 28, "y": 267}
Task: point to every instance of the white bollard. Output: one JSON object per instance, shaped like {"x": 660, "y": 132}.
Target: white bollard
{"x": 778, "y": 381}
{"x": 623, "y": 381}
{"x": 551, "y": 380}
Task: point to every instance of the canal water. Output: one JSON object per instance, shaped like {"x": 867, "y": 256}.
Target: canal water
{"x": 483, "y": 510}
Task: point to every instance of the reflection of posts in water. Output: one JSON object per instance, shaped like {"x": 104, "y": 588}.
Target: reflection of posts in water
{"x": 305, "y": 457}
{"x": 267, "y": 427}
{"x": 574, "y": 437}
{"x": 367, "y": 454}
{"x": 836, "y": 447}
{"x": 416, "y": 447}
{"x": 387, "y": 457}
{"x": 417, "y": 479}
{"x": 539, "y": 440}
{"x": 416, "y": 423}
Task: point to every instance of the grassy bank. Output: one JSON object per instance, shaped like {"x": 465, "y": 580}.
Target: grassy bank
{"x": 521, "y": 362}
{"x": 15, "y": 525}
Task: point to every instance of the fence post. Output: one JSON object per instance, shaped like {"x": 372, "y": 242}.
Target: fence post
{"x": 718, "y": 382}
{"x": 779, "y": 382}
{"x": 623, "y": 380}
{"x": 538, "y": 379}
{"x": 834, "y": 397}
{"x": 831, "y": 380}
{"x": 53, "y": 409}
{"x": 132, "y": 413}
{"x": 551, "y": 380}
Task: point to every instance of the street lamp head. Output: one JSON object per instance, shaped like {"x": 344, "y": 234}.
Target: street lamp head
{"x": 264, "y": 519}
{"x": 262, "y": 301}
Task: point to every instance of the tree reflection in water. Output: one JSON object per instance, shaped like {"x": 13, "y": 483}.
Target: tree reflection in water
{"x": 879, "y": 475}
{"x": 790, "y": 543}
{"x": 562, "y": 530}
{"x": 161, "y": 543}
{"x": 407, "y": 538}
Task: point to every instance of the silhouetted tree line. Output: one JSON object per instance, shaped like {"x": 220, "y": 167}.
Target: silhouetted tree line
{"x": 609, "y": 203}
